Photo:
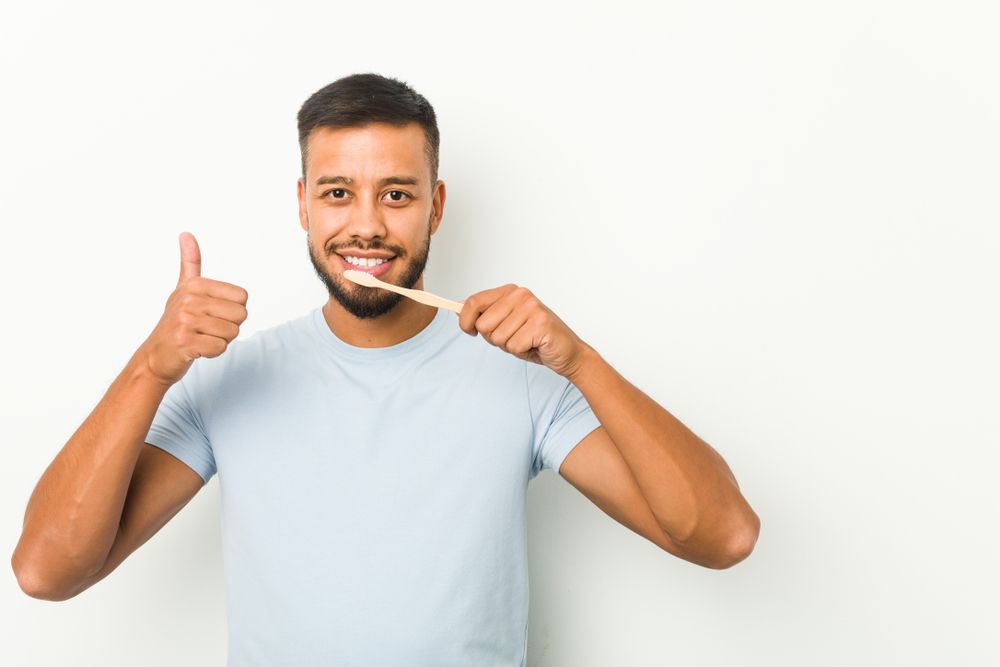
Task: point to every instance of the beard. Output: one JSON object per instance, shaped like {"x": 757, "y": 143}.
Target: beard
{"x": 367, "y": 302}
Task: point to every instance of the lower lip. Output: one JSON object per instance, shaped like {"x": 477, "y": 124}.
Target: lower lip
{"x": 374, "y": 270}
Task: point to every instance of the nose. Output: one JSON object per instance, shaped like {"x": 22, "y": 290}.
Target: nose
{"x": 366, "y": 221}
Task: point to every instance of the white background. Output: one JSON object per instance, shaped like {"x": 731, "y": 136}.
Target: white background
{"x": 778, "y": 219}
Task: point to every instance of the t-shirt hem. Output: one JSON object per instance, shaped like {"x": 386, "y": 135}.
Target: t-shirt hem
{"x": 184, "y": 454}
{"x": 571, "y": 434}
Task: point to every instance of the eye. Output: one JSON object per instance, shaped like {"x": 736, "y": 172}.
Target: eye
{"x": 340, "y": 190}
{"x": 398, "y": 192}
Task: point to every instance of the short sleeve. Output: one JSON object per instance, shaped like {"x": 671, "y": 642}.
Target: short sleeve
{"x": 560, "y": 417}
{"x": 177, "y": 428}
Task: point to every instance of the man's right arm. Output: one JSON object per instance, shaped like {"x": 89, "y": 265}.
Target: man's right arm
{"x": 74, "y": 513}
{"x": 95, "y": 504}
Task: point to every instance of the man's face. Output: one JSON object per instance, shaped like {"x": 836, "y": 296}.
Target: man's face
{"x": 368, "y": 190}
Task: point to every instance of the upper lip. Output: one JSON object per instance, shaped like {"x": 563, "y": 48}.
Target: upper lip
{"x": 365, "y": 253}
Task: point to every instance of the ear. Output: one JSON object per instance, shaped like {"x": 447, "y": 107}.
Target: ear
{"x": 303, "y": 217}
{"x": 439, "y": 197}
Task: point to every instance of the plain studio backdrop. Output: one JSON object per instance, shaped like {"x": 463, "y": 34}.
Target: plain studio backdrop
{"x": 778, "y": 219}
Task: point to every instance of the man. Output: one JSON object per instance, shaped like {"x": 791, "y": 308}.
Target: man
{"x": 373, "y": 459}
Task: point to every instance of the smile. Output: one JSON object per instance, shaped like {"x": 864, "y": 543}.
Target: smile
{"x": 375, "y": 267}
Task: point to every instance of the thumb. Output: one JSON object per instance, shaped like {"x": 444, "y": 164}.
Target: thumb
{"x": 190, "y": 257}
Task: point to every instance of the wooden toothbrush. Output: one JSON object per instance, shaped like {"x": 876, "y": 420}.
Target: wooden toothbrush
{"x": 368, "y": 280}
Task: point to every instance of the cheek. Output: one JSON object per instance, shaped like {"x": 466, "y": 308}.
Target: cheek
{"x": 325, "y": 225}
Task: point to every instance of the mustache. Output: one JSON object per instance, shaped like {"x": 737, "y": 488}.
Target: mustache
{"x": 398, "y": 252}
{"x": 379, "y": 248}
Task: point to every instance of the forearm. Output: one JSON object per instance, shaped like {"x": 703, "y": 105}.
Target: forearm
{"x": 73, "y": 514}
{"x": 688, "y": 486}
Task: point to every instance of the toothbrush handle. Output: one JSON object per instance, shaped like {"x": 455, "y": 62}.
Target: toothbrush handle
{"x": 429, "y": 299}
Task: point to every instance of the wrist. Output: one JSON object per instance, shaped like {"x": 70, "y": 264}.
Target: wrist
{"x": 140, "y": 371}
{"x": 586, "y": 360}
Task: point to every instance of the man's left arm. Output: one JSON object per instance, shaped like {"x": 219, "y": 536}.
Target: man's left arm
{"x": 686, "y": 484}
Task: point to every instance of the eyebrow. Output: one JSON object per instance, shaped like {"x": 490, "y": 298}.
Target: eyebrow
{"x": 390, "y": 180}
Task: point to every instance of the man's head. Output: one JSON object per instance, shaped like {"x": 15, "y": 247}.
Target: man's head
{"x": 369, "y": 185}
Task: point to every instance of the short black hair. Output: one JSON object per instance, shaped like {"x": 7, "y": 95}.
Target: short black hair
{"x": 359, "y": 100}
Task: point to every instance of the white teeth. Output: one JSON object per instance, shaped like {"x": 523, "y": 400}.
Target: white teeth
{"x": 365, "y": 262}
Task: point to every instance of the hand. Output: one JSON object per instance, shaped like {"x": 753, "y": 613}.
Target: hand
{"x": 201, "y": 318}
{"x": 513, "y": 319}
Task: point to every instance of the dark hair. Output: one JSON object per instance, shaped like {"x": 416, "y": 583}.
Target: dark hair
{"x": 359, "y": 100}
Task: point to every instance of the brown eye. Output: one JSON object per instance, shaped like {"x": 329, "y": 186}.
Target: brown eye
{"x": 402, "y": 194}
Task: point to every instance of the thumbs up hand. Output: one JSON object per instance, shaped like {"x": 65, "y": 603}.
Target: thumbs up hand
{"x": 201, "y": 317}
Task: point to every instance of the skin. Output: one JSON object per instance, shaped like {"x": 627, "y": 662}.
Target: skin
{"x": 399, "y": 219}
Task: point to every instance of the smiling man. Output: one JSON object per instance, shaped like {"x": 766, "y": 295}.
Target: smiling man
{"x": 378, "y": 183}
{"x": 374, "y": 453}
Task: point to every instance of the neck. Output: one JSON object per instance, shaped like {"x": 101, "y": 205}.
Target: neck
{"x": 403, "y": 322}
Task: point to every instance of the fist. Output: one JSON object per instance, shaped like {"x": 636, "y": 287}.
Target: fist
{"x": 201, "y": 317}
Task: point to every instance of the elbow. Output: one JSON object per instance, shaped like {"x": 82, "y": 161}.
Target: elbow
{"x": 34, "y": 585}
{"x": 740, "y": 543}
{"x": 33, "y": 588}
{"x": 727, "y": 540}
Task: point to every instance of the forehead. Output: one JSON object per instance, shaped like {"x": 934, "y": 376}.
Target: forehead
{"x": 369, "y": 150}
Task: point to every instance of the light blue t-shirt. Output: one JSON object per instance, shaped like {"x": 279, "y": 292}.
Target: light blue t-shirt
{"x": 372, "y": 499}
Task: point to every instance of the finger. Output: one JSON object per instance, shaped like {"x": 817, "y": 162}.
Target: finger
{"x": 205, "y": 345}
{"x": 522, "y": 341}
{"x": 219, "y": 290}
{"x": 496, "y": 315}
{"x": 224, "y": 309}
{"x": 190, "y": 257}
{"x": 213, "y": 326}
{"x": 476, "y": 304}
{"x": 510, "y": 322}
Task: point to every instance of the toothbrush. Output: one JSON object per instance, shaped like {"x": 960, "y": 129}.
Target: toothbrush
{"x": 426, "y": 298}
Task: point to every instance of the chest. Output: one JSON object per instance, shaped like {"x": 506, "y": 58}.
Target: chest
{"x": 414, "y": 447}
